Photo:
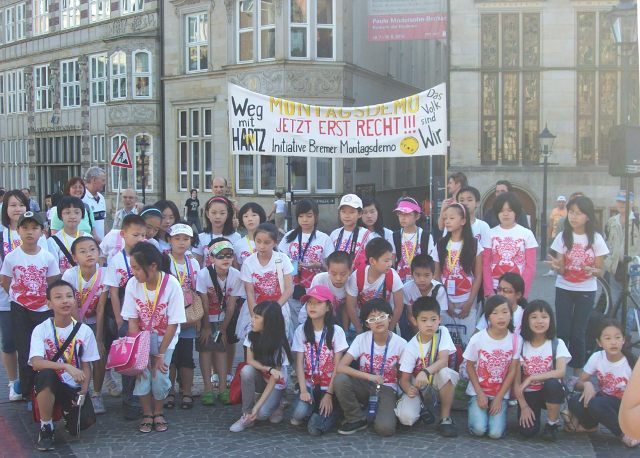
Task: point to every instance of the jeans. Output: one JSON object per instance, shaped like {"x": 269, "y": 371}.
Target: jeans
{"x": 195, "y": 221}
{"x": 294, "y": 311}
{"x": 481, "y": 422}
{"x": 405, "y": 327}
{"x": 353, "y": 393}
{"x": 601, "y": 409}
{"x": 572, "y": 312}
{"x": 24, "y": 321}
{"x": 552, "y": 393}
{"x": 128, "y": 382}
{"x": 317, "y": 422}
{"x": 252, "y": 382}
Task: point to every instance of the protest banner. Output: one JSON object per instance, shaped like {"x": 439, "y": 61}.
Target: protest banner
{"x": 412, "y": 126}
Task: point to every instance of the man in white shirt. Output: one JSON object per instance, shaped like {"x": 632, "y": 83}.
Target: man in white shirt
{"x": 95, "y": 180}
{"x": 129, "y": 207}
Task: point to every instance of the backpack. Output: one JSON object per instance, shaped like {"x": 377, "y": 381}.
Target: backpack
{"x": 387, "y": 285}
{"x": 397, "y": 242}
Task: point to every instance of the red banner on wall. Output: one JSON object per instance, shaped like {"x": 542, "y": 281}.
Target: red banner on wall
{"x": 400, "y": 20}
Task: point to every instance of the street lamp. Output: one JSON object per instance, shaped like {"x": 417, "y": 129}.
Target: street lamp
{"x": 143, "y": 147}
{"x": 545, "y": 140}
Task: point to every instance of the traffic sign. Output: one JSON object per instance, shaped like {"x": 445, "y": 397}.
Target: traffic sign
{"x": 122, "y": 158}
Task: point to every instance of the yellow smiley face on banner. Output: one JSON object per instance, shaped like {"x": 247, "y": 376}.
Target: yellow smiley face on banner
{"x": 409, "y": 145}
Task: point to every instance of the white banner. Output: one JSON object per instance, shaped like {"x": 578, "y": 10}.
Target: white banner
{"x": 411, "y": 126}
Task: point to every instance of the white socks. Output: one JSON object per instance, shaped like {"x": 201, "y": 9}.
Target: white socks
{"x": 43, "y": 423}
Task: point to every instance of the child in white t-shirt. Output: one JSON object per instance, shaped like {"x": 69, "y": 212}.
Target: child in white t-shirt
{"x": 218, "y": 212}
{"x": 71, "y": 211}
{"x": 250, "y": 216}
{"x": 350, "y": 237}
{"x": 510, "y": 286}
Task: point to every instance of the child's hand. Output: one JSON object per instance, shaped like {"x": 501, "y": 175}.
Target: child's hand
{"x": 482, "y": 401}
{"x": 466, "y": 308}
{"x": 305, "y": 397}
{"x": 77, "y": 374}
{"x": 523, "y": 386}
{"x": 495, "y": 407}
{"x": 451, "y": 310}
{"x": 588, "y": 394}
{"x": 159, "y": 364}
{"x": 421, "y": 379}
{"x": 253, "y": 414}
{"x": 205, "y": 333}
{"x": 527, "y": 417}
{"x": 376, "y": 379}
{"x": 275, "y": 373}
{"x": 326, "y": 405}
{"x": 412, "y": 392}
{"x": 555, "y": 263}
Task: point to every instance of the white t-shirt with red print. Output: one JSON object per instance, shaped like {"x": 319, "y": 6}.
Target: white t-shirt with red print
{"x": 281, "y": 384}
{"x": 324, "y": 367}
{"x": 480, "y": 230}
{"x": 11, "y": 240}
{"x": 411, "y": 293}
{"x": 539, "y": 360}
{"x": 244, "y": 248}
{"x": 388, "y": 236}
{"x": 493, "y": 358}
{"x": 266, "y": 286}
{"x": 371, "y": 290}
{"x": 29, "y": 273}
{"x": 410, "y": 249}
{"x": 364, "y": 237}
{"x": 411, "y": 359}
{"x": 339, "y": 293}
{"x": 187, "y": 279}
{"x": 575, "y": 260}
{"x": 360, "y": 350}
{"x": 517, "y": 321}
{"x": 43, "y": 344}
{"x": 462, "y": 281}
{"x": 232, "y": 286}
{"x": 316, "y": 253}
{"x": 507, "y": 250}
{"x": 169, "y": 308}
{"x": 119, "y": 270}
{"x": 66, "y": 240}
{"x": 71, "y": 276}
{"x": 204, "y": 238}
{"x": 612, "y": 377}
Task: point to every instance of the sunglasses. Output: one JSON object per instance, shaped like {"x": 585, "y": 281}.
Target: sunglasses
{"x": 377, "y": 319}
{"x": 224, "y": 256}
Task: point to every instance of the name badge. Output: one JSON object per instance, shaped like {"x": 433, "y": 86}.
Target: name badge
{"x": 451, "y": 287}
{"x": 295, "y": 268}
{"x": 66, "y": 378}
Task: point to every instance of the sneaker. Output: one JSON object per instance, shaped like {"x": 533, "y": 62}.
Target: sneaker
{"x": 550, "y": 432}
{"x": 15, "y": 395}
{"x": 242, "y": 424}
{"x": 46, "y": 439}
{"x": 447, "y": 427}
{"x": 630, "y": 442}
{"x": 112, "y": 387}
{"x": 278, "y": 415}
{"x": 352, "y": 427}
{"x": 98, "y": 404}
{"x": 296, "y": 422}
{"x": 551, "y": 273}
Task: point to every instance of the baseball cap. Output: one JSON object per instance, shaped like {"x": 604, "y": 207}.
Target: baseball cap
{"x": 33, "y": 216}
{"x": 561, "y": 199}
{"x": 622, "y": 196}
{"x": 180, "y": 228}
{"x": 408, "y": 206}
{"x": 351, "y": 200}
{"x": 320, "y": 292}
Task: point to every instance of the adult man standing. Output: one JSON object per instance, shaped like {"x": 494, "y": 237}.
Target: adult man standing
{"x": 491, "y": 218}
{"x": 219, "y": 186}
{"x": 129, "y": 207}
{"x": 95, "y": 180}
{"x": 456, "y": 182}
{"x": 34, "y": 206}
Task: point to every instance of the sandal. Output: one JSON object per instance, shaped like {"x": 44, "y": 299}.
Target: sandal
{"x": 208, "y": 398}
{"x": 223, "y": 397}
{"x": 187, "y": 401}
{"x": 170, "y": 402}
{"x": 145, "y": 426}
{"x": 570, "y": 422}
{"x": 160, "y": 426}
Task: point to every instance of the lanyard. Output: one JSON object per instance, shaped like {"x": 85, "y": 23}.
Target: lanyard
{"x": 155, "y": 300}
{"x": 452, "y": 261}
{"x": 181, "y": 276}
{"x": 71, "y": 349}
{"x": 409, "y": 257}
{"x": 126, "y": 263}
{"x": 251, "y": 249}
{"x": 339, "y": 241}
{"x": 384, "y": 359}
{"x": 315, "y": 360}
{"x": 64, "y": 236}
{"x": 81, "y": 289}
{"x": 302, "y": 252}
{"x": 431, "y": 354}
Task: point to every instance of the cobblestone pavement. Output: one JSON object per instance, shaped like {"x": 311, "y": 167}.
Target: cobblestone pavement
{"x": 204, "y": 431}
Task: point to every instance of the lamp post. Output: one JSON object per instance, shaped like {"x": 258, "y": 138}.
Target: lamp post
{"x": 143, "y": 145}
{"x": 545, "y": 140}
{"x": 624, "y": 28}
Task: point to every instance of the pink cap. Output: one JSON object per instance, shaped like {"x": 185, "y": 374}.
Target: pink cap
{"x": 320, "y": 292}
{"x": 406, "y": 206}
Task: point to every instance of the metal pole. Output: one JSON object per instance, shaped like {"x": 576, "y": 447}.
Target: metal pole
{"x": 625, "y": 255}
{"x": 543, "y": 216}
{"x": 290, "y": 203}
{"x": 144, "y": 178}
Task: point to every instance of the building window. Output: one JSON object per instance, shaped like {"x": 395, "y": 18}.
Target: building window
{"x": 21, "y": 21}
{"x": 144, "y": 163}
{"x": 267, "y": 173}
{"x": 312, "y": 18}
{"x": 42, "y": 88}
{"x": 13, "y": 166}
{"x": 9, "y": 25}
{"x": 195, "y": 149}
{"x": 510, "y": 88}
{"x": 197, "y": 47}
{"x": 2, "y": 106}
{"x": 244, "y": 171}
{"x": 98, "y": 77}
{"x": 300, "y": 173}
{"x": 299, "y": 29}
{"x": 57, "y": 160}
{"x": 118, "y": 76}
{"x": 131, "y": 6}
{"x": 249, "y": 42}
{"x": 99, "y": 10}
{"x": 40, "y": 16}
{"x": 97, "y": 149}
{"x": 325, "y": 29}
{"x": 119, "y": 176}
{"x": 70, "y": 13}
{"x": 70, "y": 83}
{"x": 141, "y": 75}
{"x": 325, "y": 175}
{"x": 16, "y": 93}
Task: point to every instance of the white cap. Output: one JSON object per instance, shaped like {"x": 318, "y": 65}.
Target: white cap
{"x": 351, "y": 200}
{"x": 561, "y": 199}
{"x": 180, "y": 229}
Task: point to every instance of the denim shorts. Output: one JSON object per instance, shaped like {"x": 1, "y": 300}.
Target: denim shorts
{"x": 7, "y": 345}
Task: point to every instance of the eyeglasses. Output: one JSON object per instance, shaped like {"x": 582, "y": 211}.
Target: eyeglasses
{"x": 377, "y": 319}
{"x": 224, "y": 256}
{"x": 505, "y": 290}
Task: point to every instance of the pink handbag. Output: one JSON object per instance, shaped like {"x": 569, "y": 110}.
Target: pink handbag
{"x": 129, "y": 355}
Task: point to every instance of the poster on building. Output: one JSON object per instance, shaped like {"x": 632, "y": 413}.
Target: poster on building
{"x": 415, "y": 125}
{"x": 401, "y": 20}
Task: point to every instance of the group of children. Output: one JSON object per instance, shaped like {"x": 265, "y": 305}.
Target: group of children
{"x": 326, "y": 307}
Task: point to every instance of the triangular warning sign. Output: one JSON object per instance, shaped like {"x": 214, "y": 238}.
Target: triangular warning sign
{"x": 122, "y": 158}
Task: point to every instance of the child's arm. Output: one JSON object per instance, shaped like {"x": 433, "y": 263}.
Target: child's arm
{"x": 405, "y": 384}
{"x": 302, "y": 381}
{"x": 588, "y": 390}
{"x": 398, "y": 306}
{"x": 6, "y": 282}
{"x": 487, "y": 279}
{"x": 441, "y": 362}
{"x": 86, "y": 370}
{"x": 326, "y": 404}
{"x": 481, "y": 398}
{"x": 288, "y": 290}
{"x": 251, "y": 296}
{"x": 496, "y": 403}
{"x": 115, "y": 304}
{"x": 274, "y": 376}
{"x": 345, "y": 368}
{"x": 100, "y": 323}
{"x": 205, "y": 328}
{"x": 350, "y": 305}
{"x": 228, "y": 315}
{"x": 527, "y": 417}
{"x": 158, "y": 362}
{"x": 630, "y": 408}
{"x": 437, "y": 274}
{"x": 529, "y": 269}
{"x": 557, "y": 373}
{"x": 39, "y": 364}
